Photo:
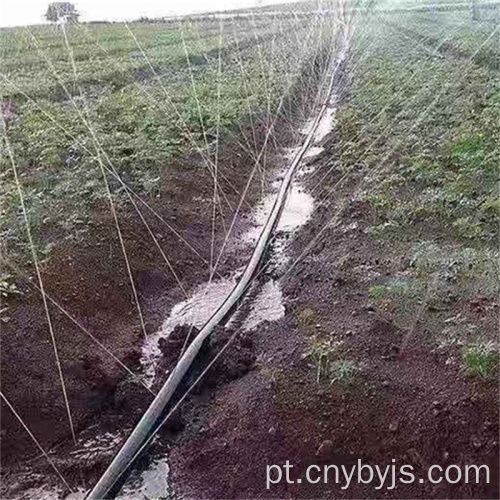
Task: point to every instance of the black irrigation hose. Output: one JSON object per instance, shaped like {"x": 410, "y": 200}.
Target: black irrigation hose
{"x": 127, "y": 453}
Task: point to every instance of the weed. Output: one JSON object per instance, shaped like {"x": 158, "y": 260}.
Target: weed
{"x": 379, "y": 201}
{"x": 321, "y": 353}
{"x": 346, "y": 262}
{"x": 472, "y": 271}
{"x": 480, "y": 361}
{"x": 343, "y": 371}
{"x": 393, "y": 290}
{"x": 378, "y": 293}
{"x": 468, "y": 228}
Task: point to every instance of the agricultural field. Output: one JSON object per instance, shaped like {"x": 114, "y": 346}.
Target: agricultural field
{"x": 140, "y": 162}
{"x": 144, "y": 94}
{"x": 129, "y": 154}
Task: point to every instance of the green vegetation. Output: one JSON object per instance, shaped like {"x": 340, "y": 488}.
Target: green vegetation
{"x": 394, "y": 289}
{"x": 439, "y": 165}
{"x": 378, "y": 293}
{"x": 133, "y": 99}
{"x": 343, "y": 371}
{"x": 323, "y": 354}
{"x": 420, "y": 125}
{"x": 480, "y": 361}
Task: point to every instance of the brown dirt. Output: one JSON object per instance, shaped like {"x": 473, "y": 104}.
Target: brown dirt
{"x": 407, "y": 402}
{"x": 89, "y": 280}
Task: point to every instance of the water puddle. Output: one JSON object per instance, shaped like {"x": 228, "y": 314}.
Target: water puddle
{"x": 297, "y": 211}
{"x": 150, "y": 483}
{"x": 268, "y": 306}
{"x": 325, "y": 125}
{"x": 205, "y": 300}
{"x": 195, "y": 311}
{"x": 41, "y": 493}
{"x": 46, "y": 492}
{"x": 313, "y": 151}
{"x": 102, "y": 444}
{"x": 140, "y": 485}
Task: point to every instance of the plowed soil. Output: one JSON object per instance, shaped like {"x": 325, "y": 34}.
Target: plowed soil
{"x": 409, "y": 402}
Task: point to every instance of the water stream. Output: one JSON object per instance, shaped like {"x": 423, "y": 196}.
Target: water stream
{"x": 268, "y": 303}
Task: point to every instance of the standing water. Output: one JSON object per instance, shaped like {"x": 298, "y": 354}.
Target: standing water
{"x": 268, "y": 304}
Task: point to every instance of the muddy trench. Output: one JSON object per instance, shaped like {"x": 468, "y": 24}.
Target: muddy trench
{"x": 88, "y": 277}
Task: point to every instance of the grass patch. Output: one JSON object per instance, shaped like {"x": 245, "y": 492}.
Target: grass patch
{"x": 378, "y": 293}
{"x": 394, "y": 289}
{"x": 343, "y": 372}
{"x": 469, "y": 271}
{"x": 419, "y": 132}
{"x": 480, "y": 361}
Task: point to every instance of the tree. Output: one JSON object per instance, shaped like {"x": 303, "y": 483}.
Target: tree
{"x": 62, "y": 11}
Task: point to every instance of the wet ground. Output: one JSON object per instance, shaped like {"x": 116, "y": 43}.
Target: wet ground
{"x": 94, "y": 304}
{"x": 262, "y": 404}
{"x": 265, "y": 303}
{"x": 403, "y": 401}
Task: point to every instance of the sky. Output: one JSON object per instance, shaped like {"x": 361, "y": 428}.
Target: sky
{"x": 23, "y": 12}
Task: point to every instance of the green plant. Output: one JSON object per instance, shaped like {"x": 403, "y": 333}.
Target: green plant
{"x": 480, "y": 361}
{"x": 468, "y": 228}
{"x": 343, "y": 371}
{"x": 321, "y": 353}
{"x": 378, "y": 293}
{"x": 469, "y": 270}
{"x": 379, "y": 201}
{"x": 142, "y": 97}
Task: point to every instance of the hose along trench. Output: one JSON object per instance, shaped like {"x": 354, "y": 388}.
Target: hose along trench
{"x": 141, "y": 432}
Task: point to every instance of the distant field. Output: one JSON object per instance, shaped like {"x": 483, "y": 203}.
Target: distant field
{"x": 148, "y": 93}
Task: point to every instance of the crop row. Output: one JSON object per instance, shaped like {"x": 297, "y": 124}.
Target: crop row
{"x": 154, "y": 102}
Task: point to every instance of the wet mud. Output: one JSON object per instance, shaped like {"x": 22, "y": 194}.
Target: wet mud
{"x": 408, "y": 402}
{"x": 91, "y": 292}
